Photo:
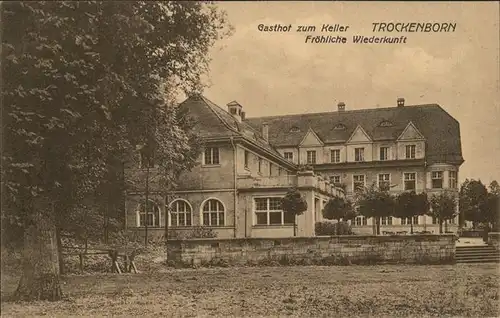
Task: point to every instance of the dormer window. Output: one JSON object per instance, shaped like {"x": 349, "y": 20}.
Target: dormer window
{"x": 295, "y": 129}
{"x": 339, "y": 127}
{"x": 385, "y": 123}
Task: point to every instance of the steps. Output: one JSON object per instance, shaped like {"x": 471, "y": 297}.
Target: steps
{"x": 477, "y": 254}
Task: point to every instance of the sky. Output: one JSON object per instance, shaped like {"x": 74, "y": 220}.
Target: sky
{"x": 278, "y": 74}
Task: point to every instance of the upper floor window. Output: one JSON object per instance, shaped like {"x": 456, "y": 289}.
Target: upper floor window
{"x": 335, "y": 155}
{"x": 335, "y": 179}
{"x": 437, "y": 179}
{"x": 384, "y": 153}
{"x": 358, "y": 182}
{"x": 311, "y": 157}
{"x": 410, "y": 151}
{"x": 339, "y": 127}
{"x": 247, "y": 156}
{"x": 288, "y": 155}
{"x": 385, "y": 123}
{"x": 268, "y": 211}
{"x": 213, "y": 213}
{"x": 409, "y": 180}
{"x": 359, "y": 154}
{"x": 295, "y": 129}
{"x": 212, "y": 156}
{"x": 452, "y": 179}
{"x": 270, "y": 169}
{"x": 180, "y": 213}
{"x": 233, "y": 111}
{"x": 260, "y": 165}
{"x": 152, "y": 217}
{"x": 384, "y": 181}
{"x": 280, "y": 171}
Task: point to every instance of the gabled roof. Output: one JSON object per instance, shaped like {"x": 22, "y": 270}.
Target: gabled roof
{"x": 411, "y": 133}
{"x": 311, "y": 134}
{"x": 214, "y": 122}
{"x": 359, "y": 132}
{"x": 441, "y": 131}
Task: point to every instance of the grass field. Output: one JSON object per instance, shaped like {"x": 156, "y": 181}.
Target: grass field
{"x": 337, "y": 291}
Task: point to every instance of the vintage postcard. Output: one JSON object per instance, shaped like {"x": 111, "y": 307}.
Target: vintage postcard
{"x": 250, "y": 159}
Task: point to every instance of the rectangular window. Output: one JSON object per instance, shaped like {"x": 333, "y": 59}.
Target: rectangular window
{"x": 335, "y": 179}
{"x": 289, "y": 156}
{"x": 212, "y": 156}
{"x": 410, "y": 181}
{"x": 358, "y": 182}
{"x": 268, "y": 211}
{"x": 437, "y": 179}
{"x": 359, "y": 154}
{"x": 270, "y": 169}
{"x": 384, "y": 153}
{"x": 311, "y": 157}
{"x": 415, "y": 219}
{"x": 386, "y": 220}
{"x": 410, "y": 151}
{"x": 403, "y": 221}
{"x": 280, "y": 171}
{"x": 435, "y": 220}
{"x": 360, "y": 220}
{"x": 260, "y": 165}
{"x": 247, "y": 158}
{"x": 335, "y": 155}
{"x": 452, "y": 179}
{"x": 384, "y": 181}
{"x": 147, "y": 160}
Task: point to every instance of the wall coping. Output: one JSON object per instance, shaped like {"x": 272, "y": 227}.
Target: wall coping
{"x": 301, "y": 238}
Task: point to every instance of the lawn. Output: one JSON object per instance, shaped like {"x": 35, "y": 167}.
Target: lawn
{"x": 302, "y": 291}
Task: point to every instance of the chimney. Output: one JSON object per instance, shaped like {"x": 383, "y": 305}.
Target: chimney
{"x": 265, "y": 131}
{"x": 235, "y": 109}
{"x": 341, "y": 106}
{"x": 242, "y": 116}
{"x": 401, "y": 102}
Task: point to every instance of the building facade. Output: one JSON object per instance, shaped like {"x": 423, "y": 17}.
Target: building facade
{"x": 414, "y": 147}
{"x": 248, "y": 164}
{"x": 236, "y": 187}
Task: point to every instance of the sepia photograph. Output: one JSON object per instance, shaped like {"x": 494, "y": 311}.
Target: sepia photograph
{"x": 250, "y": 159}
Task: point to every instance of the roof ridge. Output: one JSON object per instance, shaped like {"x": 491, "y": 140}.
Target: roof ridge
{"x": 345, "y": 111}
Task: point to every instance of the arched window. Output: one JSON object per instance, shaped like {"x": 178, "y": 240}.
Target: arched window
{"x": 339, "y": 127}
{"x": 385, "y": 123}
{"x": 213, "y": 213}
{"x": 180, "y": 213}
{"x": 153, "y": 214}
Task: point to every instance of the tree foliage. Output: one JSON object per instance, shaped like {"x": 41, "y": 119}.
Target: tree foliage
{"x": 376, "y": 203}
{"x": 338, "y": 208}
{"x": 294, "y": 203}
{"x": 410, "y": 204}
{"x": 443, "y": 207}
{"x": 85, "y": 84}
{"x": 473, "y": 195}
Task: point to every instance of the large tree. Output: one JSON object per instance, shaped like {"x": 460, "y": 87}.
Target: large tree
{"x": 410, "y": 204}
{"x": 373, "y": 202}
{"x": 83, "y": 85}
{"x": 473, "y": 196}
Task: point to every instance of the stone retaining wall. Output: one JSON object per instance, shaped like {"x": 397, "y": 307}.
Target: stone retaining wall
{"x": 321, "y": 250}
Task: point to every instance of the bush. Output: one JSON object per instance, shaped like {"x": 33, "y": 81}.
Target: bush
{"x": 195, "y": 232}
{"x": 329, "y": 228}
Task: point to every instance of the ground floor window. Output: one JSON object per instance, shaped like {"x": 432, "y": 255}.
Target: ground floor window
{"x": 405, "y": 221}
{"x": 180, "y": 213}
{"x": 268, "y": 211}
{"x": 213, "y": 213}
{"x": 386, "y": 220}
{"x": 360, "y": 220}
{"x": 152, "y": 217}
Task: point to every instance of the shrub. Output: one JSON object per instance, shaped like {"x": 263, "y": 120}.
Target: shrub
{"x": 329, "y": 228}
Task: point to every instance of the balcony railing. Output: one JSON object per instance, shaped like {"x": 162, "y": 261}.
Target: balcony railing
{"x": 267, "y": 182}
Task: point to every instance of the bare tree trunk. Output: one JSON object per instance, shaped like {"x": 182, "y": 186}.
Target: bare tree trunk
{"x": 59, "y": 251}
{"x": 295, "y": 226}
{"x": 40, "y": 278}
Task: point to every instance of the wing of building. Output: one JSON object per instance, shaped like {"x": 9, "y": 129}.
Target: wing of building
{"x": 248, "y": 164}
